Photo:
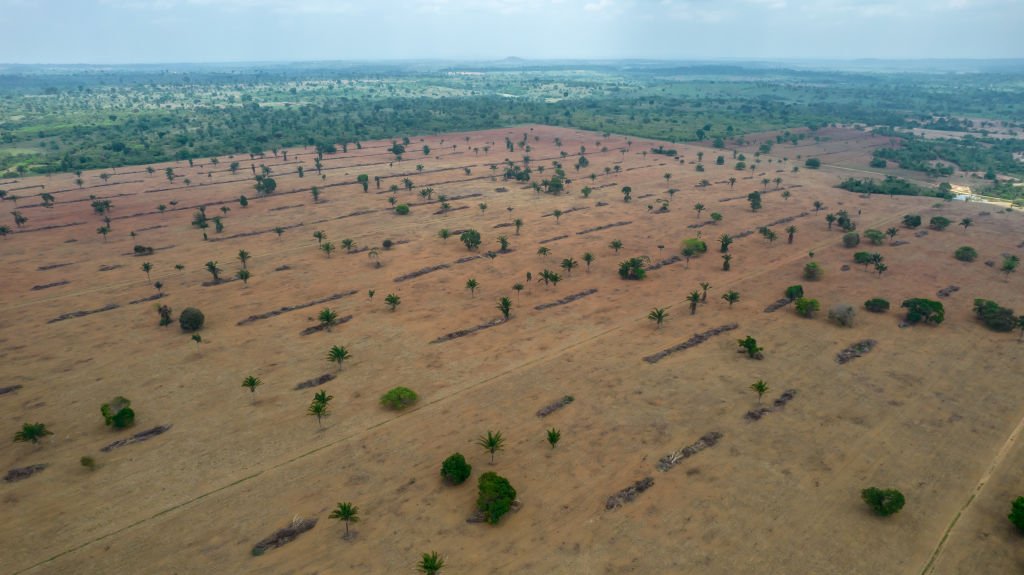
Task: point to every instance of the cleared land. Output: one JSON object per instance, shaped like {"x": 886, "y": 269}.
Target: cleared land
{"x": 932, "y": 411}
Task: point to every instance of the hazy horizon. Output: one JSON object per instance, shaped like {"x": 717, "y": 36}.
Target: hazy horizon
{"x": 139, "y": 32}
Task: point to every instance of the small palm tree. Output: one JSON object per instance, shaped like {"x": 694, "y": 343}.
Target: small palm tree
{"x": 658, "y": 316}
{"x": 543, "y": 251}
{"x": 243, "y": 256}
{"x": 319, "y": 410}
{"x": 346, "y": 512}
{"x": 430, "y": 564}
{"x": 244, "y": 275}
{"x": 211, "y": 266}
{"x": 471, "y": 285}
{"x": 830, "y": 218}
{"x": 518, "y": 223}
{"x": 147, "y": 267}
{"x": 252, "y": 382}
{"x": 568, "y": 264}
{"x": 694, "y": 299}
{"x": 588, "y": 258}
{"x": 966, "y": 223}
{"x": 371, "y": 293}
{"x": 615, "y": 245}
{"x": 278, "y": 230}
{"x": 553, "y": 436}
{"x": 517, "y": 287}
{"x": 492, "y": 443}
{"x": 444, "y": 234}
{"x": 731, "y": 297}
{"x": 348, "y": 244}
{"x": 338, "y": 354}
{"x": 760, "y": 388}
{"x": 392, "y": 300}
{"x": 698, "y": 207}
{"x": 704, "y": 286}
{"x": 320, "y": 236}
{"x": 891, "y": 232}
{"x": 791, "y": 231}
{"x": 102, "y": 230}
{"x": 327, "y": 317}
{"x": 32, "y": 432}
{"x": 557, "y": 214}
{"x": 198, "y": 339}
{"x": 505, "y": 307}
{"x": 327, "y": 248}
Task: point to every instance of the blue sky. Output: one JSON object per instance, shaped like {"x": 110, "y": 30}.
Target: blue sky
{"x": 152, "y": 31}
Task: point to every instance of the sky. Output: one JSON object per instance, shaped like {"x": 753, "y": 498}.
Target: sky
{"x": 178, "y": 31}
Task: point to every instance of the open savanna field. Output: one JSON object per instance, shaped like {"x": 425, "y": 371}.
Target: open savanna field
{"x": 934, "y": 411}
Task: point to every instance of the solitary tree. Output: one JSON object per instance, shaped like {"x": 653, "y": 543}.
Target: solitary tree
{"x": 471, "y": 285}
{"x": 760, "y": 388}
{"x": 147, "y": 267}
{"x": 251, "y": 382}
{"x": 698, "y": 207}
{"x": 338, "y": 354}
{"x": 319, "y": 407}
{"x": 588, "y": 258}
{"x": 102, "y": 230}
{"x": 327, "y": 248}
{"x": 346, "y": 512}
{"x": 658, "y": 315}
{"x": 518, "y": 223}
{"x": 966, "y": 223}
{"x": 492, "y": 443}
{"x": 568, "y": 264}
{"x": 349, "y": 244}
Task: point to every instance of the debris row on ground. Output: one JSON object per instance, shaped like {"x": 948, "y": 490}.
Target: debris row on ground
{"x": 420, "y": 272}
{"x": 54, "y": 266}
{"x": 10, "y": 389}
{"x": 555, "y": 406}
{"x": 465, "y": 332}
{"x": 322, "y": 327}
{"x": 672, "y": 459}
{"x": 147, "y": 298}
{"x": 284, "y": 535}
{"x": 604, "y": 227}
{"x": 554, "y": 239}
{"x": 50, "y": 285}
{"x": 455, "y": 209}
{"x": 569, "y": 211}
{"x": 83, "y": 313}
{"x": 255, "y": 233}
{"x": 149, "y": 251}
{"x": 315, "y": 382}
{"x": 628, "y": 494}
{"x": 289, "y": 308}
{"x": 761, "y": 411}
{"x": 856, "y": 350}
{"x": 107, "y": 268}
{"x": 566, "y": 299}
{"x": 282, "y": 208}
{"x": 665, "y": 262}
{"x": 697, "y": 339}
{"x": 947, "y": 291}
{"x": 777, "y": 305}
{"x": 19, "y": 473}
{"x": 137, "y": 438}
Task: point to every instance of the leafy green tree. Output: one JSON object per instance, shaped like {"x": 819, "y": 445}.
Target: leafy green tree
{"x": 966, "y": 223}
{"x": 627, "y": 194}
{"x": 346, "y": 512}
{"x": 444, "y": 234}
{"x": 966, "y": 254}
{"x": 698, "y": 207}
{"x": 726, "y": 262}
{"x": 634, "y": 268}
{"x": 760, "y": 388}
{"x": 243, "y": 256}
{"x": 554, "y": 436}
{"x": 791, "y": 231}
{"x": 278, "y": 230}
{"x": 320, "y": 236}
{"x": 1016, "y": 515}
{"x": 518, "y": 223}
{"x": 251, "y": 382}
{"x": 392, "y": 300}
{"x": 338, "y": 354}
{"x": 147, "y": 267}
{"x": 32, "y": 433}
{"x": 503, "y": 243}
{"x": 430, "y": 564}
{"x": 471, "y": 238}
{"x": 1009, "y": 266}
{"x": 813, "y": 271}
{"x": 749, "y": 345}
{"x": 588, "y": 258}
{"x": 398, "y": 398}
{"x": 455, "y": 470}
{"x": 755, "y": 201}
{"x": 923, "y": 310}
{"x": 364, "y": 180}
{"x": 543, "y": 251}
{"x": 505, "y": 307}
{"x": 471, "y": 285}
{"x": 704, "y": 287}
{"x": 731, "y": 297}
{"x": 492, "y": 443}
{"x": 198, "y": 339}
{"x": 495, "y": 496}
{"x": 831, "y": 219}
{"x": 876, "y": 305}
{"x": 102, "y": 230}
{"x": 891, "y": 232}
{"x": 884, "y": 502}
{"x": 658, "y": 316}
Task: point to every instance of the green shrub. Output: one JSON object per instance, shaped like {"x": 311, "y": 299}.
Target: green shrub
{"x": 884, "y": 502}
{"x": 911, "y": 221}
{"x": 813, "y": 163}
{"x": 633, "y": 269}
{"x": 994, "y": 316}
{"x": 398, "y": 398}
{"x": 851, "y": 239}
{"x": 402, "y": 209}
{"x": 813, "y": 272}
{"x": 471, "y": 238}
{"x": 939, "y": 223}
{"x": 862, "y": 258}
{"x": 876, "y": 237}
{"x": 697, "y": 245}
{"x": 88, "y": 462}
{"x": 1017, "y": 513}
{"x": 118, "y": 413}
{"x": 966, "y": 254}
{"x": 191, "y": 319}
{"x": 387, "y": 244}
{"x": 794, "y": 292}
{"x": 455, "y": 470}
{"x": 494, "y": 496}
{"x": 924, "y": 310}
{"x": 807, "y": 306}
{"x": 876, "y": 305}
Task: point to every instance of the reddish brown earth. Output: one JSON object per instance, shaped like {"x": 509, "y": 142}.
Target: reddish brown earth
{"x": 933, "y": 411}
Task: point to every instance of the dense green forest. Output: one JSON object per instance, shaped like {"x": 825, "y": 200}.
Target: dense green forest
{"x": 66, "y": 119}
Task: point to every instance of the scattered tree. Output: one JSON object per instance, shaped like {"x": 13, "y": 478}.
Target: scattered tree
{"x": 492, "y": 443}
{"x": 884, "y": 502}
{"x": 346, "y": 512}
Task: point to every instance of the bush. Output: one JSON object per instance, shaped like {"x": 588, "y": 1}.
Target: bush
{"x": 494, "y": 496}
{"x": 924, "y": 310}
{"x": 88, "y": 462}
{"x": 876, "y": 305}
{"x": 878, "y": 163}
{"x": 118, "y": 413}
{"x": 402, "y": 209}
{"x": 911, "y": 221}
{"x": 813, "y": 163}
{"x": 471, "y": 238}
{"x": 966, "y": 254}
{"x": 191, "y": 319}
{"x": 398, "y": 398}
{"x": 939, "y": 223}
{"x": 842, "y": 313}
{"x": 387, "y": 244}
{"x": 697, "y": 245}
{"x": 884, "y": 502}
{"x": 994, "y": 316}
{"x": 851, "y": 239}
{"x": 633, "y": 269}
{"x": 876, "y": 237}
{"x": 1017, "y": 513}
{"x": 807, "y": 306}
{"x": 455, "y": 470}
{"x": 794, "y": 292}
{"x": 813, "y": 272}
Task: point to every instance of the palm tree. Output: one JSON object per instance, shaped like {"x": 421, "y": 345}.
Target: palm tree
{"x": 724, "y": 240}
{"x": 518, "y": 223}
{"x": 32, "y": 432}
{"x": 338, "y": 354}
{"x": 698, "y": 207}
{"x": 731, "y": 297}
{"x": 891, "y": 232}
{"x": 374, "y": 254}
{"x": 492, "y": 443}
{"x": 444, "y": 234}
{"x": 760, "y": 388}
{"x": 791, "y": 230}
{"x": 880, "y": 268}
{"x": 658, "y": 316}
{"x": 243, "y": 256}
{"x": 517, "y": 287}
{"x": 279, "y": 230}
{"x": 615, "y": 245}
{"x": 732, "y": 182}
{"x": 830, "y": 218}
{"x": 211, "y": 267}
{"x": 319, "y": 409}
{"x": 726, "y": 262}
{"x": 568, "y": 264}
{"x": 543, "y": 251}
{"x": 348, "y": 244}
{"x": 327, "y": 248}
{"x": 102, "y": 230}
{"x": 778, "y": 182}
{"x": 327, "y": 317}
{"x": 966, "y": 223}
{"x": 252, "y": 382}
{"x": 244, "y": 275}
{"x": 694, "y": 299}
{"x": 786, "y": 194}
{"x": 471, "y": 285}
{"x": 557, "y": 214}
{"x": 505, "y": 307}
{"x": 503, "y": 243}
{"x": 554, "y": 436}
{"x": 147, "y": 267}
{"x": 818, "y": 206}
{"x": 392, "y": 300}
{"x": 320, "y": 236}
{"x": 704, "y": 286}
{"x": 430, "y": 564}
{"x": 4, "y": 230}
{"x": 346, "y": 512}
{"x": 588, "y": 258}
